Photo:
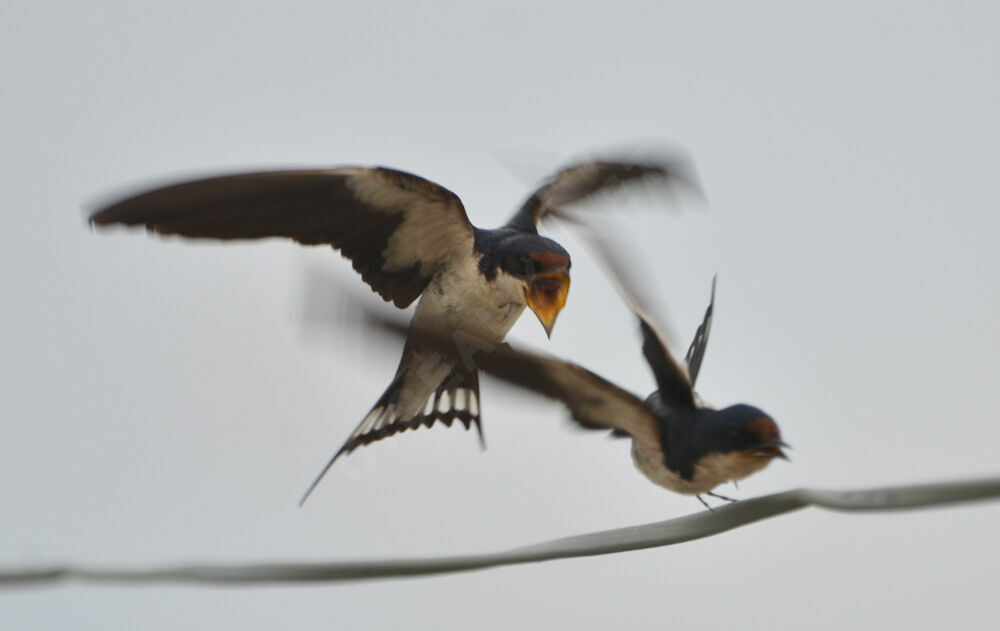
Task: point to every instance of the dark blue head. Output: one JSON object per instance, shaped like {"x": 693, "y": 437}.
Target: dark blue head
{"x": 519, "y": 254}
{"x": 743, "y": 428}
{"x": 540, "y": 264}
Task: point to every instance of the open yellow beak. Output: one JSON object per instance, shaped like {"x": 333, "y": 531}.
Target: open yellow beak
{"x": 546, "y": 297}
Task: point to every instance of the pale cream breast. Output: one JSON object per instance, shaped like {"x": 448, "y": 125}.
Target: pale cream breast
{"x": 649, "y": 460}
{"x": 711, "y": 471}
{"x": 457, "y": 298}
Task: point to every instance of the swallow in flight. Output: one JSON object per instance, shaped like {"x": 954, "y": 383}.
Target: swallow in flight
{"x": 408, "y": 237}
{"x": 678, "y": 442}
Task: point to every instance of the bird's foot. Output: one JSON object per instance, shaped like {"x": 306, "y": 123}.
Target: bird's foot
{"x": 704, "y": 503}
{"x": 721, "y": 497}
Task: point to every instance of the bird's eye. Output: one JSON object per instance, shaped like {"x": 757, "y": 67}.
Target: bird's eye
{"x": 529, "y": 265}
{"x": 519, "y": 265}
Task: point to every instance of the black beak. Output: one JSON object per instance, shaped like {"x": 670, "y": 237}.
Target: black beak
{"x": 773, "y": 449}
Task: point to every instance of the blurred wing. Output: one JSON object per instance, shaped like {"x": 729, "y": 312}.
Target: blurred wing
{"x": 586, "y": 179}
{"x": 398, "y": 229}
{"x": 671, "y": 378}
{"x": 696, "y": 352}
{"x": 593, "y": 402}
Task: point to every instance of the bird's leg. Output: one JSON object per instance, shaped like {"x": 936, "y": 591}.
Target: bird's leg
{"x": 721, "y": 497}
{"x": 702, "y": 500}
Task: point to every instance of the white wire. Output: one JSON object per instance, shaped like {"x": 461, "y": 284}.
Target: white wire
{"x": 664, "y": 533}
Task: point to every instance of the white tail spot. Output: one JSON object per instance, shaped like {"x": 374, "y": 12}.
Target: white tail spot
{"x": 367, "y": 423}
{"x": 377, "y": 425}
{"x": 388, "y": 417}
{"x": 460, "y": 399}
{"x": 473, "y": 404}
{"x": 444, "y": 403}
{"x": 429, "y": 406}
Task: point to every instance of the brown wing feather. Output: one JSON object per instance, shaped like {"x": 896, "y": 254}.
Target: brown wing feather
{"x": 398, "y": 229}
{"x": 593, "y": 402}
{"x": 672, "y": 379}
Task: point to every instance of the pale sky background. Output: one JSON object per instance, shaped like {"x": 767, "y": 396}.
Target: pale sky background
{"x": 162, "y": 403}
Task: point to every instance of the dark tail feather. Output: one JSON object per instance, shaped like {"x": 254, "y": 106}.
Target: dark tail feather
{"x": 319, "y": 477}
{"x": 456, "y": 397}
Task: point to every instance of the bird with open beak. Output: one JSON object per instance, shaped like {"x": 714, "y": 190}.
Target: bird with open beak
{"x": 548, "y": 288}
{"x": 409, "y": 238}
{"x": 678, "y": 442}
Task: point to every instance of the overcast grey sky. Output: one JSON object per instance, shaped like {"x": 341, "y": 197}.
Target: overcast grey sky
{"x": 162, "y": 403}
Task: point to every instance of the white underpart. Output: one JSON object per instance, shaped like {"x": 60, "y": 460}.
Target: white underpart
{"x": 713, "y": 469}
{"x": 478, "y": 313}
{"x": 458, "y": 298}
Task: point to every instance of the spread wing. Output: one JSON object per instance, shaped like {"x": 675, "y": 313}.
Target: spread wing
{"x": 398, "y": 229}
{"x": 593, "y": 402}
{"x": 696, "y": 352}
{"x": 588, "y": 178}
